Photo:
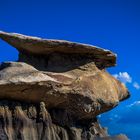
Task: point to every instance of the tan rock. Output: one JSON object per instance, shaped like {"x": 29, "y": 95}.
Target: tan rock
{"x": 39, "y": 46}
{"x": 67, "y": 79}
{"x": 85, "y": 95}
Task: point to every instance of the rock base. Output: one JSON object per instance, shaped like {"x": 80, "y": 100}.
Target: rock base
{"x": 22, "y": 121}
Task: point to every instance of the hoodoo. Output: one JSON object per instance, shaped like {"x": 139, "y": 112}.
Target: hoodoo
{"x": 56, "y": 89}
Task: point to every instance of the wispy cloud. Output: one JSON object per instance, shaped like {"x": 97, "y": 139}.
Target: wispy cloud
{"x": 136, "y": 85}
{"x": 124, "y": 77}
{"x": 134, "y": 104}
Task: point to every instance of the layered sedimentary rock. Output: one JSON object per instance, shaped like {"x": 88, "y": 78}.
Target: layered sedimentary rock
{"x": 56, "y": 89}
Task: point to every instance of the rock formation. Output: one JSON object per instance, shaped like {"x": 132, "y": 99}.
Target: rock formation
{"x": 56, "y": 89}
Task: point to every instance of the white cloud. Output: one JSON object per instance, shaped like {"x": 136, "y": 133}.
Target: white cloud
{"x": 136, "y": 103}
{"x": 136, "y": 85}
{"x": 124, "y": 77}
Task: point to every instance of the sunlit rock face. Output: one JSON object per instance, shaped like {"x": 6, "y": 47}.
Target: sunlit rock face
{"x": 56, "y": 90}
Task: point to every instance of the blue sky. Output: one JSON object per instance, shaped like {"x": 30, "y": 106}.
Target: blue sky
{"x": 111, "y": 24}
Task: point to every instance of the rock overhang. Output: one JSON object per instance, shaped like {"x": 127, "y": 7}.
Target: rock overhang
{"x": 43, "y": 47}
{"x": 85, "y": 96}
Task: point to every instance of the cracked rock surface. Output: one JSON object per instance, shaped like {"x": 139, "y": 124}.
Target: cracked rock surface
{"x": 56, "y": 89}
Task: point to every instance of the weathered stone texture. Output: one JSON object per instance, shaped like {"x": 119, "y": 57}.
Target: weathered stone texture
{"x": 56, "y": 89}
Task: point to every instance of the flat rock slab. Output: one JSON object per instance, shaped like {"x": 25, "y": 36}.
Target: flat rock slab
{"x": 39, "y": 46}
